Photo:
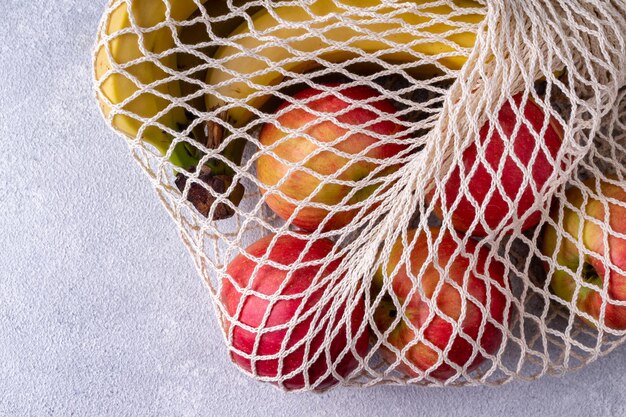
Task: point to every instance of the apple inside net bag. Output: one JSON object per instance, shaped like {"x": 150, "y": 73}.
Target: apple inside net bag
{"x": 408, "y": 192}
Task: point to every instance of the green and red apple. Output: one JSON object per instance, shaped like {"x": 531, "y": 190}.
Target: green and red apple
{"x": 323, "y": 171}
{"x": 464, "y": 307}
{"x": 275, "y": 347}
{"x": 590, "y": 253}
{"x": 534, "y": 141}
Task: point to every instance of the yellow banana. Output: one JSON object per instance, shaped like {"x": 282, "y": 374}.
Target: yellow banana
{"x": 115, "y": 88}
{"x": 256, "y": 65}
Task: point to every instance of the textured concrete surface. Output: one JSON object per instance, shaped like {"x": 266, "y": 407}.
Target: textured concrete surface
{"x": 101, "y": 311}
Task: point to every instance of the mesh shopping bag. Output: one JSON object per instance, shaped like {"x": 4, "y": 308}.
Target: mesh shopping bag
{"x": 408, "y": 192}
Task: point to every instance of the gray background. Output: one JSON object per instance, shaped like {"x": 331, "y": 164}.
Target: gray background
{"x": 101, "y": 310}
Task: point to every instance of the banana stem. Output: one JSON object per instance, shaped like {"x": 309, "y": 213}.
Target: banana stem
{"x": 233, "y": 152}
{"x": 182, "y": 157}
{"x": 215, "y": 174}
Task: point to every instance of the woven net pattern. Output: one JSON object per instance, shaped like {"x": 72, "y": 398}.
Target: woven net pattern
{"x": 423, "y": 192}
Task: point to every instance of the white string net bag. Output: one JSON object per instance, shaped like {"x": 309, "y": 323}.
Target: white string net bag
{"x": 405, "y": 192}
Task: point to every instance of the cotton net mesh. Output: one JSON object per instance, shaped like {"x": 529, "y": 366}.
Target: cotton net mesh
{"x": 435, "y": 188}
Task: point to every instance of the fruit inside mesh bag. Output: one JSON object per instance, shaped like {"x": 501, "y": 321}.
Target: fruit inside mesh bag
{"x": 438, "y": 314}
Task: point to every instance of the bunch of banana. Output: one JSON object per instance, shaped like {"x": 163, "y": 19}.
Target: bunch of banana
{"x": 143, "y": 89}
{"x": 246, "y": 64}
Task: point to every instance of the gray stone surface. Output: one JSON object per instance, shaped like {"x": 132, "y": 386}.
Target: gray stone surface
{"x": 101, "y": 311}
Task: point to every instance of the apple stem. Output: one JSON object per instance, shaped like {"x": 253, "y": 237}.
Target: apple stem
{"x": 589, "y": 272}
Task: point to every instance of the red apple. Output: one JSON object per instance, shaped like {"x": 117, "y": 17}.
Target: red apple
{"x": 450, "y": 301}
{"x": 295, "y": 148}
{"x": 510, "y": 182}
{"x": 566, "y": 281}
{"x": 291, "y": 304}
